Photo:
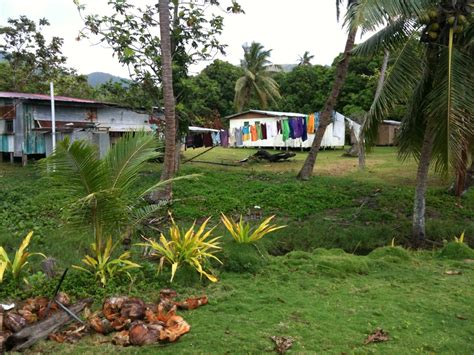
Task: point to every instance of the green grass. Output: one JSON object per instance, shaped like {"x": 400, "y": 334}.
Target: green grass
{"x": 329, "y": 301}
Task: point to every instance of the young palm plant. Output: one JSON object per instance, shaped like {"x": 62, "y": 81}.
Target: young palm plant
{"x": 432, "y": 72}
{"x": 103, "y": 196}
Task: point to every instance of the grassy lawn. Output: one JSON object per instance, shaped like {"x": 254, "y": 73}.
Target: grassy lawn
{"x": 328, "y": 301}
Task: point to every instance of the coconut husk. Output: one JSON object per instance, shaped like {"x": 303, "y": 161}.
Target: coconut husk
{"x": 133, "y": 308}
{"x": 71, "y": 335}
{"x": 100, "y": 325}
{"x": 144, "y": 334}
{"x": 112, "y": 307}
{"x": 121, "y": 338}
{"x": 192, "y": 303}
{"x": 175, "y": 327}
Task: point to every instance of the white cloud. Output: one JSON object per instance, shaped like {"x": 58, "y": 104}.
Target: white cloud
{"x": 289, "y": 28}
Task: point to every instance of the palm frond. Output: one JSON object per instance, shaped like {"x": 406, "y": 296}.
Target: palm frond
{"x": 75, "y": 168}
{"x": 450, "y": 107}
{"x": 126, "y": 158}
{"x": 391, "y": 38}
{"x": 368, "y": 15}
{"x": 401, "y": 80}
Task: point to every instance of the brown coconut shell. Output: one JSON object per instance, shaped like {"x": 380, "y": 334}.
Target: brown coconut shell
{"x": 133, "y": 308}
{"x": 144, "y": 334}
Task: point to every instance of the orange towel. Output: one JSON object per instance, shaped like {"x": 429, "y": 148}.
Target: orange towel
{"x": 253, "y": 132}
{"x": 311, "y": 124}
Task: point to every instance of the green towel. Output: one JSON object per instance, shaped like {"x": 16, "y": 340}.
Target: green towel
{"x": 285, "y": 128}
{"x": 259, "y": 131}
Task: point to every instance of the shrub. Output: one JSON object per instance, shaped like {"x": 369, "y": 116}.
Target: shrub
{"x": 244, "y": 233}
{"x": 241, "y": 257}
{"x": 16, "y": 266}
{"x": 181, "y": 247}
{"x": 456, "y": 251}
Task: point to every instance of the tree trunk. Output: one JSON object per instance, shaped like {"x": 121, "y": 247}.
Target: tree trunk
{"x": 380, "y": 83}
{"x": 418, "y": 229}
{"x": 326, "y": 115}
{"x": 169, "y": 101}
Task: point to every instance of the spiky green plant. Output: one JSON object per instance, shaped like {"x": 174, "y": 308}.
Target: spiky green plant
{"x": 103, "y": 197}
{"x": 194, "y": 248}
{"x": 242, "y": 232}
{"x": 19, "y": 262}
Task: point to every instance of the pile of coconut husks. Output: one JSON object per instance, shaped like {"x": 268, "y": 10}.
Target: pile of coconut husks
{"x": 132, "y": 321}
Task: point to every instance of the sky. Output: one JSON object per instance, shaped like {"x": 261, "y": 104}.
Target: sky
{"x": 289, "y": 30}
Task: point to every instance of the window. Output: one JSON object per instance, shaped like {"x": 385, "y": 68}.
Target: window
{"x": 7, "y": 112}
{"x": 9, "y": 126}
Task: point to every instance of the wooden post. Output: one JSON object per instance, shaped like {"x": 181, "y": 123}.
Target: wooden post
{"x": 1, "y": 157}
{"x": 12, "y": 159}
{"x": 24, "y": 160}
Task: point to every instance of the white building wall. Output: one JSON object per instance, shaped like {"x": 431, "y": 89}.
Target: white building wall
{"x": 329, "y": 140}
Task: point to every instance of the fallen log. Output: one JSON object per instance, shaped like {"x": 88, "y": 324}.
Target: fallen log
{"x": 30, "y": 335}
{"x": 263, "y": 154}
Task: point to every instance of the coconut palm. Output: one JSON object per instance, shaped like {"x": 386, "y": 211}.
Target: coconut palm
{"x": 257, "y": 80}
{"x": 432, "y": 73}
{"x": 326, "y": 114}
{"x": 102, "y": 194}
{"x": 305, "y": 59}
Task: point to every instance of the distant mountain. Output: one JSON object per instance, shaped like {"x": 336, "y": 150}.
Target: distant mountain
{"x": 99, "y": 78}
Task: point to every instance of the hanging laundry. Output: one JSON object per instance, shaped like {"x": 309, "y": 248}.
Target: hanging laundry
{"x": 239, "y": 137}
{"x": 316, "y": 121}
{"x": 298, "y": 132}
{"x": 291, "y": 125}
{"x": 216, "y": 138}
{"x": 339, "y": 125}
{"x": 198, "y": 141}
{"x": 253, "y": 133}
{"x": 310, "y": 128}
{"x": 272, "y": 129}
{"x": 285, "y": 127}
{"x": 246, "y": 133}
{"x": 258, "y": 126}
{"x": 189, "y": 141}
{"x": 207, "y": 139}
{"x": 304, "y": 135}
{"x": 232, "y": 140}
{"x": 279, "y": 129}
{"x": 224, "y": 137}
{"x": 264, "y": 130}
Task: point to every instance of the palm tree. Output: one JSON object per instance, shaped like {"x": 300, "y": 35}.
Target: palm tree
{"x": 305, "y": 59}
{"x": 326, "y": 115}
{"x": 432, "y": 73}
{"x": 102, "y": 194}
{"x": 257, "y": 80}
{"x": 170, "y": 105}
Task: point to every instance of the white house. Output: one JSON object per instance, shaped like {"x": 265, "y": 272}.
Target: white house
{"x": 333, "y": 137}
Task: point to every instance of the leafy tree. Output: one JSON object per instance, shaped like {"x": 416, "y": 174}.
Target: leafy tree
{"x": 131, "y": 33}
{"x": 432, "y": 74}
{"x": 257, "y": 80}
{"x": 30, "y": 62}
{"x": 305, "y": 59}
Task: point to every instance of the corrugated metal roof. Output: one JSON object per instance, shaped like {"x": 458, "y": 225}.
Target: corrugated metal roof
{"x": 269, "y": 113}
{"x": 42, "y": 97}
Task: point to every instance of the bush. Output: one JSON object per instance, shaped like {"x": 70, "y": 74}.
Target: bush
{"x": 391, "y": 254}
{"x": 238, "y": 257}
{"x": 456, "y": 251}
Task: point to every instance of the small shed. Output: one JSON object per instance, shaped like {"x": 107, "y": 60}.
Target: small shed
{"x": 26, "y": 126}
{"x": 333, "y": 137}
{"x": 387, "y": 133}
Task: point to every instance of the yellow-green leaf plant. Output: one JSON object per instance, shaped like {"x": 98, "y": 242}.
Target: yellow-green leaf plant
{"x": 103, "y": 266}
{"x": 20, "y": 260}
{"x": 459, "y": 240}
{"x": 180, "y": 247}
{"x": 242, "y": 232}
